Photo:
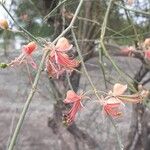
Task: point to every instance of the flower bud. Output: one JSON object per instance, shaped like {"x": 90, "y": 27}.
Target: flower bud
{"x": 29, "y": 48}
{"x": 4, "y": 24}
{"x": 3, "y": 65}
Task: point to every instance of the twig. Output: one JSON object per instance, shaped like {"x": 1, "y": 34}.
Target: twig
{"x": 117, "y": 133}
{"x": 133, "y": 10}
{"x": 84, "y": 67}
{"x": 50, "y": 13}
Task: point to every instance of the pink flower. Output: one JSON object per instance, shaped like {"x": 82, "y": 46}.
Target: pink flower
{"x": 147, "y": 54}
{"x": 4, "y": 24}
{"x": 112, "y": 107}
{"x": 26, "y": 56}
{"x": 146, "y": 43}
{"x": 58, "y": 61}
{"x": 63, "y": 45}
{"x": 72, "y": 97}
{"x": 127, "y": 51}
{"x": 130, "y": 2}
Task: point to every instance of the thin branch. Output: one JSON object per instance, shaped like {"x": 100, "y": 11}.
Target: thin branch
{"x": 50, "y": 13}
{"x": 84, "y": 67}
{"x": 133, "y": 10}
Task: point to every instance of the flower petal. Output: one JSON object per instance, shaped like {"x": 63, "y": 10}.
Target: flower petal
{"x": 70, "y": 116}
{"x": 119, "y": 89}
{"x": 65, "y": 61}
{"x": 31, "y": 62}
{"x": 53, "y": 70}
{"x": 63, "y": 45}
{"x": 72, "y": 97}
{"x": 147, "y": 54}
{"x": 29, "y": 48}
{"x": 112, "y": 106}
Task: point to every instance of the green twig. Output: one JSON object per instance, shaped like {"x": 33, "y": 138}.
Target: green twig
{"x": 133, "y": 10}
{"x": 121, "y": 147}
{"x": 84, "y": 67}
{"x": 50, "y": 13}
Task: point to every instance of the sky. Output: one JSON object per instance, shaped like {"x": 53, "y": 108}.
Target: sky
{"x": 3, "y": 13}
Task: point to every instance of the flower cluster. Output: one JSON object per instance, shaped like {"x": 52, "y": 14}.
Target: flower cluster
{"x": 112, "y": 104}
{"x": 58, "y": 60}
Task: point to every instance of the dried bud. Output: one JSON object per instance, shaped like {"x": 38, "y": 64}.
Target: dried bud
{"x": 4, "y": 24}
{"x": 146, "y": 43}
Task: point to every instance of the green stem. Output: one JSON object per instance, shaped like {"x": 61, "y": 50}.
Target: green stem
{"x": 50, "y": 13}
{"x": 133, "y": 10}
{"x": 84, "y": 67}
{"x": 121, "y": 147}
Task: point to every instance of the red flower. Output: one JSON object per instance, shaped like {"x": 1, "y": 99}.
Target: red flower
{"x": 72, "y": 97}
{"x": 25, "y": 56}
{"x": 112, "y": 107}
{"x": 58, "y": 61}
{"x": 29, "y": 48}
{"x": 3, "y": 24}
